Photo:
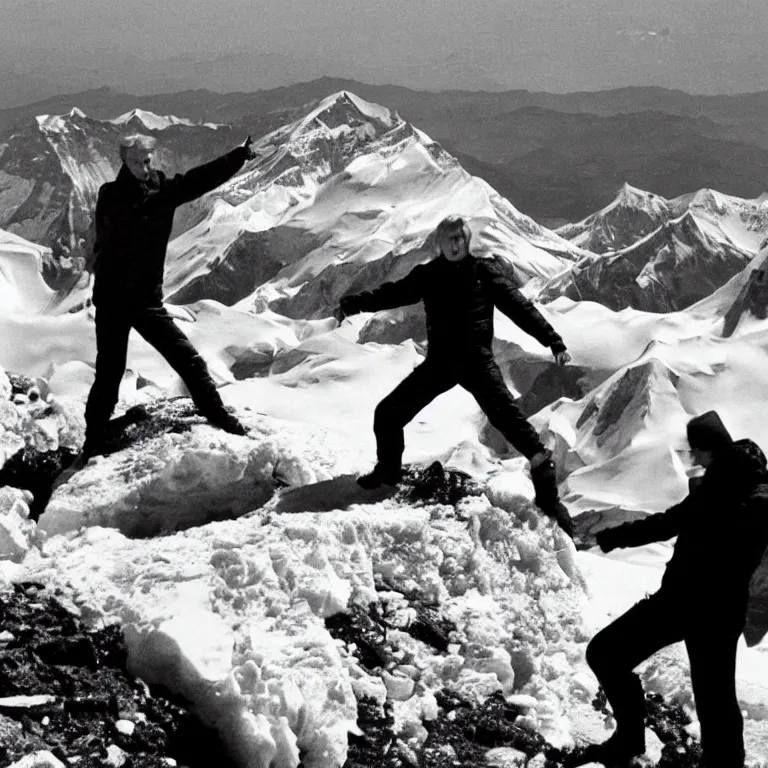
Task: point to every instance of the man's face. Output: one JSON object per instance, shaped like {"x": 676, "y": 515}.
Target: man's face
{"x": 139, "y": 162}
{"x": 701, "y": 458}
{"x": 453, "y": 245}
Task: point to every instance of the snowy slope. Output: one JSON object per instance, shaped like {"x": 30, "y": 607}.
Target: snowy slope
{"x": 623, "y": 442}
{"x": 22, "y": 288}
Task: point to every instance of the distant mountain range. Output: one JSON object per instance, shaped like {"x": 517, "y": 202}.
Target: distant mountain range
{"x": 661, "y": 255}
{"x": 555, "y": 157}
{"x": 344, "y": 193}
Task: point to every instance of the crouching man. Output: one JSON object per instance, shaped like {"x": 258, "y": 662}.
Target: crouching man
{"x": 722, "y": 532}
{"x": 460, "y": 292}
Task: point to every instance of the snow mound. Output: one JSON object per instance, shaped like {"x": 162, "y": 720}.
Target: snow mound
{"x": 22, "y": 288}
{"x": 187, "y": 476}
{"x": 232, "y": 616}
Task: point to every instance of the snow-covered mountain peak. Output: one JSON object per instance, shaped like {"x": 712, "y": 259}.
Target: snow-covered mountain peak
{"x": 640, "y": 199}
{"x": 62, "y": 123}
{"x": 335, "y": 128}
{"x": 150, "y": 120}
{"x": 681, "y": 261}
{"x": 712, "y": 201}
{"x": 346, "y": 192}
{"x": 329, "y": 135}
{"x": 630, "y": 216}
{"x": 345, "y": 108}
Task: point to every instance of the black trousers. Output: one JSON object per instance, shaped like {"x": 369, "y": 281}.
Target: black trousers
{"x": 158, "y": 328}
{"x": 482, "y": 378}
{"x": 652, "y": 624}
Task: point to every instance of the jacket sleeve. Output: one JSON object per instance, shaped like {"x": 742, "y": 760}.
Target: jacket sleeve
{"x": 102, "y": 221}
{"x": 519, "y": 309}
{"x": 658, "y": 527}
{"x": 184, "y": 187}
{"x": 409, "y": 290}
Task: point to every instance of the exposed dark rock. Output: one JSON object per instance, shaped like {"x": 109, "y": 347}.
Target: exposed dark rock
{"x": 435, "y": 485}
{"x": 463, "y": 731}
{"x": 36, "y": 471}
{"x": 377, "y": 746}
{"x": 21, "y": 384}
{"x": 667, "y": 721}
{"x": 142, "y": 422}
{"x": 471, "y": 730}
{"x": 360, "y": 629}
{"x": 83, "y": 674}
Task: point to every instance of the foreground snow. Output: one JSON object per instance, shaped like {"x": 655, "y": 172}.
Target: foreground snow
{"x": 230, "y": 614}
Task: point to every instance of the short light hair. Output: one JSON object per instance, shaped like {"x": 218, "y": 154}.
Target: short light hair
{"x": 136, "y": 141}
{"x": 451, "y": 224}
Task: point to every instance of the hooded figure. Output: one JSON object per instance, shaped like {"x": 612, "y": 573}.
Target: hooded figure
{"x": 460, "y": 293}
{"x": 722, "y": 533}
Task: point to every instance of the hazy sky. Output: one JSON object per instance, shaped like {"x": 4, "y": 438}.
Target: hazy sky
{"x": 699, "y": 45}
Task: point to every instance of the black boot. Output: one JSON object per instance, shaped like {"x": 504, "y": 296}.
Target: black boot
{"x": 381, "y": 475}
{"x": 617, "y": 752}
{"x": 544, "y": 480}
{"x": 227, "y": 421}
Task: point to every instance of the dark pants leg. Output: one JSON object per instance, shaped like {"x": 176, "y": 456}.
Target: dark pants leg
{"x": 615, "y": 651}
{"x": 158, "y": 328}
{"x": 712, "y": 653}
{"x": 399, "y": 407}
{"x": 486, "y": 384}
{"x": 112, "y": 331}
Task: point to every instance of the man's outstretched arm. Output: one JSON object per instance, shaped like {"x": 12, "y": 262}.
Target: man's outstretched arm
{"x": 409, "y": 290}
{"x": 658, "y": 527}
{"x": 184, "y": 187}
{"x": 521, "y": 311}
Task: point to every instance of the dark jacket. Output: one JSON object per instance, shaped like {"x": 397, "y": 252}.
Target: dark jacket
{"x": 459, "y": 298}
{"x": 721, "y": 529}
{"x": 133, "y": 223}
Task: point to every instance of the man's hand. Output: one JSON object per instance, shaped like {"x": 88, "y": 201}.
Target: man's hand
{"x": 562, "y": 358}
{"x": 606, "y": 539}
{"x": 249, "y": 151}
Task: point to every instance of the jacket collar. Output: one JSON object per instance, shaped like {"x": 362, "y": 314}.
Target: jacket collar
{"x": 129, "y": 182}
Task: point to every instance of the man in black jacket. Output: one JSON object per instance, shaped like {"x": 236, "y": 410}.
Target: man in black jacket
{"x": 722, "y": 532}
{"x": 133, "y": 220}
{"x": 459, "y": 293}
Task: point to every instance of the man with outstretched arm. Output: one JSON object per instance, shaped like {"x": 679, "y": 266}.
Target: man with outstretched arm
{"x": 133, "y": 220}
{"x": 460, "y": 292}
{"x": 722, "y": 533}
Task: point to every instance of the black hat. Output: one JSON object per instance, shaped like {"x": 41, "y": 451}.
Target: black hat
{"x": 708, "y": 433}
